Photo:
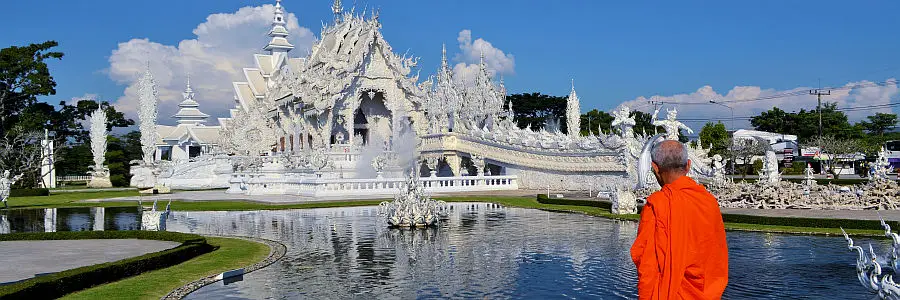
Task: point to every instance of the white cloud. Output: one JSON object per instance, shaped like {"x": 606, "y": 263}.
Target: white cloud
{"x": 496, "y": 60}
{"x": 225, "y": 44}
{"x": 869, "y": 95}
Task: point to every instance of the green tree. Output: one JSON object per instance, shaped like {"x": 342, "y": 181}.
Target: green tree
{"x": 644, "y": 124}
{"x": 805, "y": 123}
{"x": 596, "y": 122}
{"x": 24, "y": 76}
{"x": 775, "y": 120}
{"x": 715, "y": 137}
{"x": 533, "y": 109}
{"x": 121, "y": 151}
{"x": 879, "y": 123}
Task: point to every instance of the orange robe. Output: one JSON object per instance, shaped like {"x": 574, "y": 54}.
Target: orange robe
{"x": 680, "y": 251}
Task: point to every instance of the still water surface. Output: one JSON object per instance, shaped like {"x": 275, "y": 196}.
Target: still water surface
{"x": 480, "y": 251}
{"x": 484, "y": 251}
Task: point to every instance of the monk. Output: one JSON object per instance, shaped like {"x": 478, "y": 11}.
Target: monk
{"x": 680, "y": 251}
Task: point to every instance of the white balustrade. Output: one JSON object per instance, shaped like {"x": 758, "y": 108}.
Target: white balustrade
{"x": 261, "y": 184}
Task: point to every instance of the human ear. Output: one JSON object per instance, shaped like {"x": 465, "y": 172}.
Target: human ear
{"x": 688, "y": 166}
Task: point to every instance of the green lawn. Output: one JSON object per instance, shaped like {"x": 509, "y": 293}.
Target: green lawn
{"x": 63, "y": 199}
{"x": 232, "y": 254}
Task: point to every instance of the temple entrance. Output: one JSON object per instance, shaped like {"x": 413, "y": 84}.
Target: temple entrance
{"x": 372, "y": 120}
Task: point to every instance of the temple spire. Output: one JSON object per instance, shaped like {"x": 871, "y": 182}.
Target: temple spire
{"x": 444, "y": 63}
{"x": 337, "y": 9}
{"x": 279, "y": 44}
{"x": 189, "y": 112}
{"x": 573, "y": 113}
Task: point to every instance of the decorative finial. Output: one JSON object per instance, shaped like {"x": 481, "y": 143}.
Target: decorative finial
{"x": 337, "y": 9}
{"x": 573, "y": 84}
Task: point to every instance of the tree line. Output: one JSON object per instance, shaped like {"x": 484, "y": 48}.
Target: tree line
{"x": 25, "y": 76}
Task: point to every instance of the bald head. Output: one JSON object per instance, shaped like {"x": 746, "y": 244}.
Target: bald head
{"x": 669, "y": 156}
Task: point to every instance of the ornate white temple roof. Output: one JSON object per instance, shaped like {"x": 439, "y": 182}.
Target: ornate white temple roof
{"x": 189, "y": 112}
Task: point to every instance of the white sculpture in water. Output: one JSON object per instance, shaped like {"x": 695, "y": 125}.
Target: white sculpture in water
{"x": 671, "y": 124}
{"x": 5, "y": 183}
{"x": 412, "y": 207}
{"x": 99, "y": 173}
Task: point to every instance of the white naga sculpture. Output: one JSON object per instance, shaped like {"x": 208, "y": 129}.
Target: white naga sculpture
{"x": 869, "y": 270}
{"x": 99, "y": 172}
{"x": 5, "y": 183}
{"x": 671, "y": 124}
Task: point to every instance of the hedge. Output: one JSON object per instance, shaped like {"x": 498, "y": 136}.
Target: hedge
{"x": 541, "y": 198}
{"x": 29, "y": 192}
{"x": 808, "y": 222}
{"x": 59, "y": 284}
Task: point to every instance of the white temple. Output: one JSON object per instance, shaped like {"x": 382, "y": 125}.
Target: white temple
{"x": 351, "y": 116}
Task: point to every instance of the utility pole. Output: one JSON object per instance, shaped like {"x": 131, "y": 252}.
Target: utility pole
{"x": 819, "y": 93}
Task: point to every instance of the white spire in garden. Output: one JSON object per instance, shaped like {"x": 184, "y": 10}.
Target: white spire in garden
{"x": 573, "y": 113}
{"x": 98, "y": 139}
{"x": 147, "y": 113}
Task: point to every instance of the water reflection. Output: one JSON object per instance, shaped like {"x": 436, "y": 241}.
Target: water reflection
{"x": 482, "y": 251}
{"x": 69, "y": 219}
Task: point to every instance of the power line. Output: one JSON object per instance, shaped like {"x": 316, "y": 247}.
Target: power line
{"x": 790, "y": 94}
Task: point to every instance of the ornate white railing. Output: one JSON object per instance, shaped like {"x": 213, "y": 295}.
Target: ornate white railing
{"x": 266, "y": 184}
{"x": 70, "y": 178}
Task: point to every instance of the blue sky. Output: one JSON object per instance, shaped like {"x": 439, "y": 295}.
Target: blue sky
{"x": 616, "y": 51}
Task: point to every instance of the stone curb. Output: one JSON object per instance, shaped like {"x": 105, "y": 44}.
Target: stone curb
{"x": 276, "y": 252}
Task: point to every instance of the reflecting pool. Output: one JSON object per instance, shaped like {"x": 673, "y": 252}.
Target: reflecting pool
{"x": 70, "y": 219}
{"x": 485, "y": 251}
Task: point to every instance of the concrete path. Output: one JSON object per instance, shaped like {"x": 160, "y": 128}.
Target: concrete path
{"x": 25, "y": 259}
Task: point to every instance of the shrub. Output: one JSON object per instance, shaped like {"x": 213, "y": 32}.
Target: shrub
{"x": 118, "y": 180}
{"x": 29, "y": 192}
{"x": 59, "y": 284}
{"x": 541, "y": 198}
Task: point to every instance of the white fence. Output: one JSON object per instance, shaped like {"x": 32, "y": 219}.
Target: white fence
{"x": 71, "y": 178}
{"x": 264, "y": 184}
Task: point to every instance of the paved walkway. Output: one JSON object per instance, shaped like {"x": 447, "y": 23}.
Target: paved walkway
{"x": 25, "y": 259}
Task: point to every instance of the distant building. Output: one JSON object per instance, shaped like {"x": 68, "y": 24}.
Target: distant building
{"x": 190, "y": 138}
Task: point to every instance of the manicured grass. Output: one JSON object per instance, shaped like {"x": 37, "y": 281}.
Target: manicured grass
{"x": 63, "y": 199}
{"x": 232, "y": 254}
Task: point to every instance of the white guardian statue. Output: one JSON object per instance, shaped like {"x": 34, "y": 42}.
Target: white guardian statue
{"x": 671, "y": 124}
{"x": 5, "y": 183}
{"x": 100, "y": 173}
